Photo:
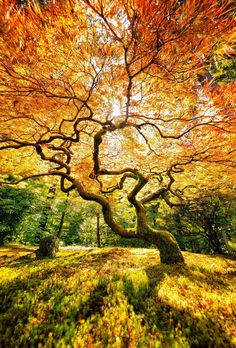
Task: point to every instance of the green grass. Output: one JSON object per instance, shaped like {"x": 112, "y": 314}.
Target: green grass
{"x": 116, "y": 297}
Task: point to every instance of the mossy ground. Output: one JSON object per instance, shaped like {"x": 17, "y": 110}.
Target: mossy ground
{"x": 115, "y": 297}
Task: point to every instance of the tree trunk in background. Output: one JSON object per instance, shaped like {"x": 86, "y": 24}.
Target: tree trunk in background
{"x": 98, "y": 230}
{"x": 214, "y": 240}
{"x": 180, "y": 235}
{"x": 193, "y": 247}
{"x": 1, "y": 239}
{"x": 226, "y": 242}
{"x": 154, "y": 209}
{"x": 45, "y": 213}
{"x": 48, "y": 247}
{"x": 60, "y": 228}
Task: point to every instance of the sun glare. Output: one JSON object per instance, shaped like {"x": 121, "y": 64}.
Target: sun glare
{"x": 116, "y": 109}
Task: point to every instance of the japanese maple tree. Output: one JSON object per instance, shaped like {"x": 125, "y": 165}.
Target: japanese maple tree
{"x": 113, "y": 96}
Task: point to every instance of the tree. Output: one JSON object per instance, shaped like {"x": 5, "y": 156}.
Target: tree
{"x": 14, "y": 203}
{"x": 45, "y": 212}
{"x": 206, "y": 223}
{"x": 106, "y": 96}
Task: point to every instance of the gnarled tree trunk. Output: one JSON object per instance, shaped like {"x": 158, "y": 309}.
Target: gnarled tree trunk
{"x": 170, "y": 252}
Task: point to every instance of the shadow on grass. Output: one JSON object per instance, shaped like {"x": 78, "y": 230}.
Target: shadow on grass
{"x": 28, "y": 316}
{"x": 30, "y": 260}
{"x": 104, "y": 256}
{"x": 231, "y": 256}
{"x": 95, "y": 301}
{"x": 176, "y": 325}
{"x": 171, "y": 322}
{"x": 16, "y": 248}
{"x": 15, "y": 260}
{"x": 196, "y": 274}
{"x": 30, "y": 313}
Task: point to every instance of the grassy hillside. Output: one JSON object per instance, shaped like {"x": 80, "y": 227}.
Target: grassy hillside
{"x": 116, "y": 298}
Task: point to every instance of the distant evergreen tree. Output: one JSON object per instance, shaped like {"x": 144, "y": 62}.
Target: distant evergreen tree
{"x": 205, "y": 224}
{"x": 14, "y": 203}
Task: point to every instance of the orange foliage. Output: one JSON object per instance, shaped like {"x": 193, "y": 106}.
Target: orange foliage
{"x": 70, "y": 70}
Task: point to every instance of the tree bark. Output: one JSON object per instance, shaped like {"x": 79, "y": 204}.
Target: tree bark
{"x": 98, "y": 230}
{"x": 48, "y": 247}
{"x": 60, "y": 229}
{"x": 45, "y": 213}
{"x": 170, "y": 252}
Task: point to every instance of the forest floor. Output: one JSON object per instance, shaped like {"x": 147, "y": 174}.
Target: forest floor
{"x": 115, "y": 297}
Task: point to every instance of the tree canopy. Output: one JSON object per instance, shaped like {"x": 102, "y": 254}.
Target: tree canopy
{"x": 116, "y": 99}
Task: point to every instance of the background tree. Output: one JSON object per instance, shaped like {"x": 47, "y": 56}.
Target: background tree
{"x": 45, "y": 214}
{"x": 38, "y": 220}
{"x": 206, "y": 223}
{"x": 106, "y": 95}
{"x": 14, "y": 204}
{"x": 80, "y": 227}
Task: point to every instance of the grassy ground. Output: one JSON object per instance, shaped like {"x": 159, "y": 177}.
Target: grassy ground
{"x": 116, "y": 297}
